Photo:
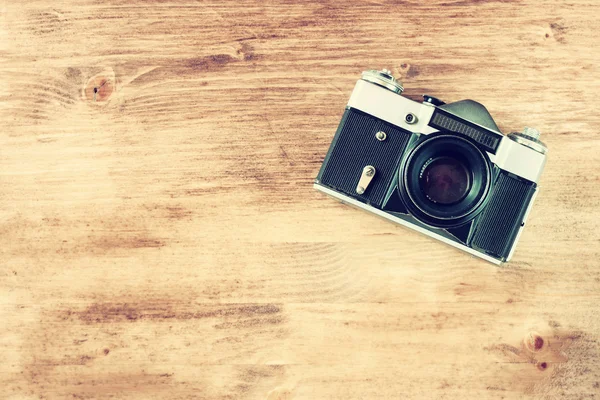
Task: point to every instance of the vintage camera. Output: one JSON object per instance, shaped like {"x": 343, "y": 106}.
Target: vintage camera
{"x": 444, "y": 170}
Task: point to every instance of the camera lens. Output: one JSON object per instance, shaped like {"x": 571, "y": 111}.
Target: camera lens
{"x": 445, "y": 180}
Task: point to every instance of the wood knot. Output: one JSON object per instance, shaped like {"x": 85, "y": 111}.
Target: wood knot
{"x": 100, "y": 87}
{"x": 409, "y": 70}
{"x": 534, "y": 342}
{"x": 542, "y": 365}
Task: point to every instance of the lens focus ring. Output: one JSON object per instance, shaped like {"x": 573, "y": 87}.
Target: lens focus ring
{"x": 444, "y": 180}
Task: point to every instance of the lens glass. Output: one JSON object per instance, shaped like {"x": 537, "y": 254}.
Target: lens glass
{"x": 445, "y": 180}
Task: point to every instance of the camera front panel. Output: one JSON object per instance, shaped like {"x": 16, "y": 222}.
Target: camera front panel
{"x": 358, "y": 143}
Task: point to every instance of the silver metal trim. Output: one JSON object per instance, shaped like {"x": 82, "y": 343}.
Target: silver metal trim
{"x": 366, "y": 177}
{"x": 388, "y": 106}
{"x": 531, "y": 132}
{"x": 383, "y": 78}
{"x": 529, "y": 141}
{"x": 383, "y": 214}
{"x": 519, "y": 160}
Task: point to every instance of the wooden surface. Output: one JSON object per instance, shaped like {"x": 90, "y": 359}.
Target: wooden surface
{"x": 160, "y": 238}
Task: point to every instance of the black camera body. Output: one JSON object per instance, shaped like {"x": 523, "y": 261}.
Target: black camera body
{"x": 442, "y": 169}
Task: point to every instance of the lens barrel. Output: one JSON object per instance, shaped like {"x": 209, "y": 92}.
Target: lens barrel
{"x": 444, "y": 180}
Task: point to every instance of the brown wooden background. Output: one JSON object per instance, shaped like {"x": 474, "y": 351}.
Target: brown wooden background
{"x": 160, "y": 238}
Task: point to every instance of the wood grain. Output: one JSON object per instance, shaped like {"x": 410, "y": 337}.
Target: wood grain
{"x": 159, "y": 236}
